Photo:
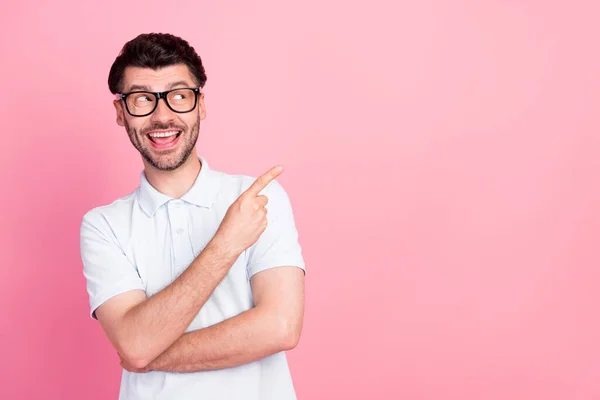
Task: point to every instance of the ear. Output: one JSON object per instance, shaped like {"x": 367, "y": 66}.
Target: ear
{"x": 201, "y": 106}
{"x": 119, "y": 109}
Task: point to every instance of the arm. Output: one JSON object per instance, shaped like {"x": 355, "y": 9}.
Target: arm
{"x": 272, "y": 326}
{"x": 140, "y": 329}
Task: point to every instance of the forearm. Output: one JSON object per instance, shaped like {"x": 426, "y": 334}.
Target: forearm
{"x": 152, "y": 326}
{"x": 247, "y": 337}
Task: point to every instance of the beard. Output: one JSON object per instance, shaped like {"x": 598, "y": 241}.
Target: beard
{"x": 171, "y": 160}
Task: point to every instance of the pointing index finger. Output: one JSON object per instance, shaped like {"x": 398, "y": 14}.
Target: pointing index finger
{"x": 262, "y": 181}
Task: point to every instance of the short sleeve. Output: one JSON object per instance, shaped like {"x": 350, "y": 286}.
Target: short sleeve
{"x": 278, "y": 245}
{"x": 107, "y": 270}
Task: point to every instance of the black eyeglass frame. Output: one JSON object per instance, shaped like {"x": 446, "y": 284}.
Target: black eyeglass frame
{"x": 159, "y": 95}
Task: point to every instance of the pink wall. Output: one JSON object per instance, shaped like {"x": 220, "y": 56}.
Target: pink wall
{"x": 441, "y": 157}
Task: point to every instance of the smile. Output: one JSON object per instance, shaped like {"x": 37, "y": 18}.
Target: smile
{"x": 164, "y": 139}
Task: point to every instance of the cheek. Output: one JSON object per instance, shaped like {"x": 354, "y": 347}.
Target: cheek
{"x": 138, "y": 125}
{"x": 189, "y": 121}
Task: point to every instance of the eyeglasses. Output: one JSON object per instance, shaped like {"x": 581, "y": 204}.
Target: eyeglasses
{"x": 141, "y": 104}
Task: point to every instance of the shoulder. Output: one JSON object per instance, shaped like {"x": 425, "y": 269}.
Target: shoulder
{"x": 105, "y": 217}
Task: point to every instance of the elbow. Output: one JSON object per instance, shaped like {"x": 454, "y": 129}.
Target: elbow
{"x": 290, "y": 335}
{"x": 290, "y": 342}
{"x": 134, "y": 356}
{"x": 139, "y": 363}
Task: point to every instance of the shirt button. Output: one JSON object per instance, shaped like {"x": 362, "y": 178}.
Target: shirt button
{"x": 179, "y": 231}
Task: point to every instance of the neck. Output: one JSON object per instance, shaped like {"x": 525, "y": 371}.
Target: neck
{"x": 174, "y": 183}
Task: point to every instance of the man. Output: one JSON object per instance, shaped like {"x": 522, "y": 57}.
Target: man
{"x": 196, "y": 288}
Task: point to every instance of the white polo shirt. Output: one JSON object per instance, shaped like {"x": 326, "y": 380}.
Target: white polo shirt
{"x": 146, "y": 239}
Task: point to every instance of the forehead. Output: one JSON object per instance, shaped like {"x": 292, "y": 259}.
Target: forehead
{"x": 156, "y": 79}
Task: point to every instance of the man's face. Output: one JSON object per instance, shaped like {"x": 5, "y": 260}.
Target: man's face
{"x": 152, "y": 135}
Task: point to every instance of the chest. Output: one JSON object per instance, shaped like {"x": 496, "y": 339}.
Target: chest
{"x": 163, "y": 247}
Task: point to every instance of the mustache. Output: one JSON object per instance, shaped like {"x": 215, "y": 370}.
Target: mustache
{"x": 169, "y": 127}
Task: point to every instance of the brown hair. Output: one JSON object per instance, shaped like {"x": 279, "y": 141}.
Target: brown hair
{"x": 155, "y": 50}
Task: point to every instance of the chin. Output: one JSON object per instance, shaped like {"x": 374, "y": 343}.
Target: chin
{"x": 168, "y": 162}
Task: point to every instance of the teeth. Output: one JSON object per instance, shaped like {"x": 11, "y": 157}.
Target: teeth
{"x": 163, "y": 134}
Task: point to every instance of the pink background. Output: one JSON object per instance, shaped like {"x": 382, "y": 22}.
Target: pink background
{"x": 441, "y": 157}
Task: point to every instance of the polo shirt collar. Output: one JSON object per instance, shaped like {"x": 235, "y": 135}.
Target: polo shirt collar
{"x": 202, "y": 193}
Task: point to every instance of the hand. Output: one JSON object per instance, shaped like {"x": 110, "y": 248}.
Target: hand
{"x": 246, "y": 218}
{"x": 125, "y": 365}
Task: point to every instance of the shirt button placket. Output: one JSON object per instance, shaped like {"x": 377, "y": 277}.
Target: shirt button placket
{"x": 178, "y": 224}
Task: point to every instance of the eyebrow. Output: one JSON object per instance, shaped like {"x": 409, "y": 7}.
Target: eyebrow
{"x": 169, "y": 86}
{"x": 139, "y": 87}
{"x": 178, "y": 83}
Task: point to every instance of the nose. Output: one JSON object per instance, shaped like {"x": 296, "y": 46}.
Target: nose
{"x": 162, "y": 112}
